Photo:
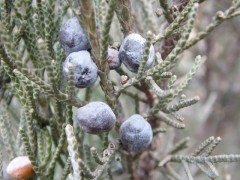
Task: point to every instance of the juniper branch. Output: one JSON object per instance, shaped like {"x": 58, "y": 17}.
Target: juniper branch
{"x": 101, "y": 13}
{"x": 48, "y": 148}
{"x": 30, "y": 40}
{"x": 166, "y": 10}
{"x": 213, "y": 159}
{"x": 66, "y": 169}
{"x": 41, "y": 17}
{"x": 69, "y": 113}
{"x": 196, "y": 65}
{"x": 70, "y": 85}
{"x": 30, "y": 129}
{"x": 27, "y": 147}
{"x": 49, "y": 24}
{"x": 187, "y": 170}
{"x": 159, "y": 130}
{"x": 87, "y": 155}
{"x": 41, "y": 86}
{"x": 219, "y": 18}
{"x": 145, "y": 55}
{"x": 169, "y": 30}
{"x": 87, "y": 20}
{"x": 157, "y": 90}
{"x": 209, "y": 169}
{"x": 45, "y": 55}
{"x": 182, "y": 104}
{"x": 171, "y": 58}
{"x": 123, "y": 11}
{"x": 105, "y": 32}
{"x": 107, "y": 154}
{"x": 202, "y": 146}
{"x": 96, "y": 156}
{"x": 40, "y": 148}
{"x": 7, "y": 50}
{"x": 73, "y": 151}
{"x": 17, "y": 10}
{"x": 85, "y": 170}
{"x": 164, "y": 75}
{"x": 8, "y": 126}
{"x": 163, "y": 117}
{"x": 57, "y": 152}
{"x": 6, "y": 137}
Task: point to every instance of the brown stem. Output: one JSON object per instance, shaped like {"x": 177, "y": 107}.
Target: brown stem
{"x": 168, "y": 44}
{"x": 123, "y": 11}
{"x": 144, "y": 88}
{"x": 130, "y": 166}
{"x": 87, "y": 18}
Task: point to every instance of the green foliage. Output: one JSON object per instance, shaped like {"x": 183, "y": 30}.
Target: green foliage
{"x": 31, "y": 82}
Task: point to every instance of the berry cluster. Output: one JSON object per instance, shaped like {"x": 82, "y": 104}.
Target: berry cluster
{"x": 74, "y": 41}
{"x": 97, "y": 117}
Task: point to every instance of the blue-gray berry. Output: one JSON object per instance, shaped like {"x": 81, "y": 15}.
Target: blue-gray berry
{"x": 131, "y": 51}
{"x": 113, "y": 59}
{"x": 96, "y": 117}
{"x": 136, "y": 133}
{"x": 85, "y": 70}
{"x": 72, "y": 36}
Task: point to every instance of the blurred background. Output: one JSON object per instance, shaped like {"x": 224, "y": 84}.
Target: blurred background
{"x": 218, "y": 85}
